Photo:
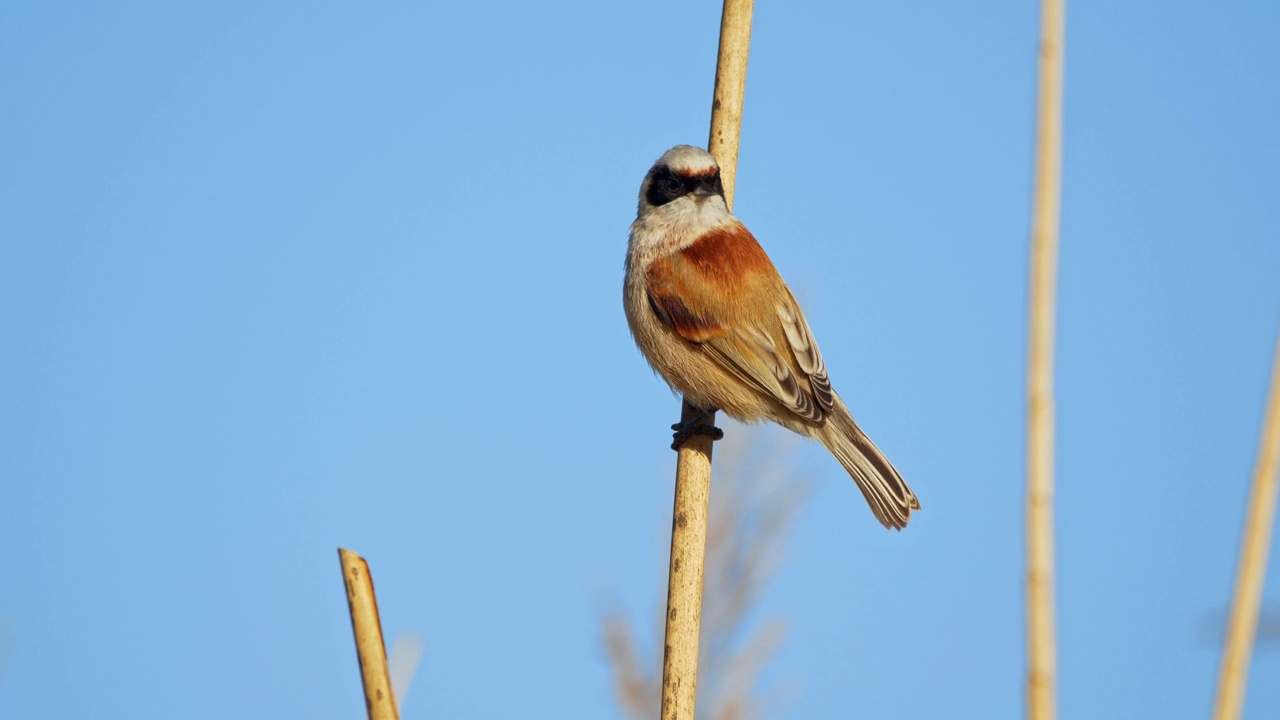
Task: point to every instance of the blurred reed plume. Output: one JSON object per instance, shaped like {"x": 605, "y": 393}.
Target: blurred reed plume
{"x": 759, "y": 492}
{"x": 402, "y": 664}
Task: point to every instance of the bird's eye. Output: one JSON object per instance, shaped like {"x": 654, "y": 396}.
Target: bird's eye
{"x": 665, "y": 187}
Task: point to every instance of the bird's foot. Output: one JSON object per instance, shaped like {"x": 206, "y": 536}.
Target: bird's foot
{"x": 686, "y": 429}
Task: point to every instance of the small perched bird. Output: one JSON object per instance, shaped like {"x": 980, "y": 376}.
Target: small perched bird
{"x": 714, "y": 318}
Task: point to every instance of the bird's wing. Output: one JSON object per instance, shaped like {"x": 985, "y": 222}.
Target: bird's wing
{"x": 805, "y": 348}
{"x": 724, "y": 295}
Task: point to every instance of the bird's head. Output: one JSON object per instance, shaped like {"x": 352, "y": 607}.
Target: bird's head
{"x": 684, "y": 186}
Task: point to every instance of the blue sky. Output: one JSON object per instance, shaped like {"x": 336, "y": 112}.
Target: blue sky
{"x": 280, "y": 277}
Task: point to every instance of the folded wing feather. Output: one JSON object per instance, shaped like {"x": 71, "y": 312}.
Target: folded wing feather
{"x": 690, "y": 292}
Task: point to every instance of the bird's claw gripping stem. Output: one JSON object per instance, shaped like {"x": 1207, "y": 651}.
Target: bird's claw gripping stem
{"x": 686, "y": 429}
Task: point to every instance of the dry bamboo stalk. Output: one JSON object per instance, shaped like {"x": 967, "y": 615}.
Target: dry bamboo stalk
{"x": 1252, "y": 570}
{"x": 1041, "y": 641}
{"x": 379, "y": 700}
{"x": 693, "y": 467}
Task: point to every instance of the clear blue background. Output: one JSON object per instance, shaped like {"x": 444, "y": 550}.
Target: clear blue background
{"x": 278, "y": 277}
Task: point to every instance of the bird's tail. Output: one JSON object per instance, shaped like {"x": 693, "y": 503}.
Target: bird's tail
{"x": 885, "y": 490}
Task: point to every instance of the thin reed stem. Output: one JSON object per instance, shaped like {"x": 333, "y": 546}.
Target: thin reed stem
{"x": 1041, "y": 640}
{"x": 379, "y": 700}
{"x": 1242, "y": 627}
{"x": 693, "y": 467}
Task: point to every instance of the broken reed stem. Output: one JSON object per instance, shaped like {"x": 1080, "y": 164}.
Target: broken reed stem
{"x": 693, "y": 466}
{"x": 1242, "y": 627}
{"x": 379, "y": 700}
{"x": 1041, "y": 641}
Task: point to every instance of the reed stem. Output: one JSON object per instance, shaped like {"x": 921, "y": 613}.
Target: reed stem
{"x": 693, "y": 467}
{"x": 1041, "y": 634}
{"x": 1242, "y": 627}
{"x": 380, "y": 701}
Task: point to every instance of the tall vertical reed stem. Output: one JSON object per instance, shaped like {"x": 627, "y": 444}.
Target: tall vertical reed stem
{"x": 693, "y": 468}
{"x": 1041, "y": 640}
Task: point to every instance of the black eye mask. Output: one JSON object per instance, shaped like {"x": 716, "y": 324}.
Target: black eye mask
{"x": 667, "y": 185}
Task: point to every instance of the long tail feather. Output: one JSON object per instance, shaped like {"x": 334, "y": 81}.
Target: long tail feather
{"x": 885, "y": 490}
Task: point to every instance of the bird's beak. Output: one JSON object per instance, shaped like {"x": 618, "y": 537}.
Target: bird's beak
{"x": 702, "y": 192}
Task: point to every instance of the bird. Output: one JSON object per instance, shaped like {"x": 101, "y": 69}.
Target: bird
{"x": 712, "y": 316}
